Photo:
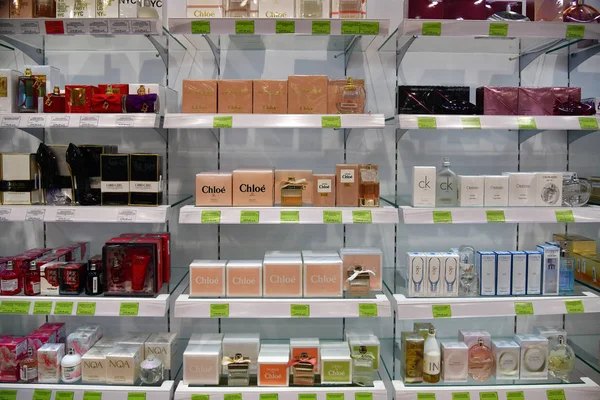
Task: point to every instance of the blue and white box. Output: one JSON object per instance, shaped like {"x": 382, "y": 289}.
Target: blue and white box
{"x": 450, "y": 273}
{"x": 417, "y": 272}
{"x": 550, "y": 268}
{"x": 434, "y": 275}
{"x": 519, "y": 273}
{"x": 503, "y": 273}
{"x": 486, "y": 265}
{"x": 534, "y": 272}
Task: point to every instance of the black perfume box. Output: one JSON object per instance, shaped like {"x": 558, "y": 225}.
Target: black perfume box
{"x": 64, "y": 180}
{"x": 146, "y": 180}
{"x": 429, "y": 99}
{"x": 92, "y": 153}
{"x": 114, "y": 185}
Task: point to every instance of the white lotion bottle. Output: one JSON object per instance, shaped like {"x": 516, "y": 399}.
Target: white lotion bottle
{"x": 70, "y": 367}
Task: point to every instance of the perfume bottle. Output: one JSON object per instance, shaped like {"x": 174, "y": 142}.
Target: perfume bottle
{"x": 44, "y": 9}
{"x": 32, "y": 280}
{"x": 55, "y": 102}
{"x": 359, "y": 281}
{"x": 94, "y": 281}
{"x": 576, "y": 191}
{"x": 351, "y": 99}
{"x": 241, "y": 9}
{"x": 70, "y": 367}
{"x": 152, "y": 370}
{"x": 566, "y": 279}
{"x": 10, "y": 281}
{"x": 311, "y": 8}
{"x": 117, "y": 272}
{"x": 432, "y": 360}
{"x": 303, "y": 370}
{"x": 468, "y": 279}
{"x": 28, "y": 94}
{"x": 28, "y": 368}
{"x": 481, "y": 361}
{"x": 351, "y": 8}
{"x": 561, "y": 360}
{"x": 368, "y": 186}
{"x": 145, "y": 10}
{"x": 578, "y": 11}
{"x": 362, "y": 367}
{"x": 291, "y": 192}
{"x": 446, "y": 193}
{"x": 237, "y": 370}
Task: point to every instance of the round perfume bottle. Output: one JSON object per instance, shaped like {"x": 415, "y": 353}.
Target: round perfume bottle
{"x": 550, "y": 194}
{"x": 70, "y": 367}
{"x": 507, "y": 364}
{"x": 481, "y": 362}
{"x": 152, "y": 370}
{"x": 561, "y": 360}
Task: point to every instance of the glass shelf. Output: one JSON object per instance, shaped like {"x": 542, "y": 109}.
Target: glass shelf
{"x": 587, "y": 348}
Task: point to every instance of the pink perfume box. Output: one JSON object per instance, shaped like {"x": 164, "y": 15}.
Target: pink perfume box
{"x": 58, "y": 327}
{"x": 244, "y": 278}
{"x": 498, "y": 100}
{"x": 540, "y": 101}
{"x": 213, "y": 189}
{"x": 464, "y": 9}
{"x": 282, "y": 275}
{"x": 370, "y": 259}
{"x": 323, "y": 276}
{"x": 207, "y": 278}
{"x": 12, "y": 351}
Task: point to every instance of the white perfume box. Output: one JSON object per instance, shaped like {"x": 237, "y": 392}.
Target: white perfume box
{"x": 417, "y": 270}
{"x": 244, "y": 278}
{"x": 93, "y": 365}
{"x": 202, "y": 364}
{"x": 508, "y": 357}
{"x": 134, "y": 338}
{"x": 496, "y": 191}
{"x": 123, "y": 365}
{"x": 519, "y": 273}
{"x": 52, "y": 75}
{"x": 471, "y": 337}
{"x": 335, "y": 9}
{"x": 206, "y": 338}
{"x": 549, "y": 189}
{"x": 276, "y": 9}
{"x": 434, "y": 278}
{"x": 107, "y": 341}
{"x": 128, "y": 9}
{"x": 424, "y": 179}
{"x": 9, "y": 91}
{"x": 75, "y": 9}
{"x": 326, "y": 9}
{"x": 450, "y": 273}
{"x": 486, "y": 265}
{"x": 246, "y": 344}
{"x": 522, "y": 188}
{"x": 470, "y": 191}
{"x": 107, "y": 9}
{"x": 534, "y": 272}
{"x": 534, "y": 356}
{"x": 204, "y": 9}
{"x": 550, "y": 269}
{"x": 207, "y": 278}
{"x": 455, "y": 362}
{"x": 503, "y": 273}
{"x": 20, "y": 167}
{"x": 162, "y": 346}
{"x": 551, "y": 333}
{"x": 323, "y": 276}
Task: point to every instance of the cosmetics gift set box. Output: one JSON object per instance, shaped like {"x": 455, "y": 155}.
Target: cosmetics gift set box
{"x": 350, "y": 9}
{"x": 530, "y": 101}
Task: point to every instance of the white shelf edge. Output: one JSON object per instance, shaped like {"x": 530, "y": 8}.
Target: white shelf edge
{"x": 279, "y": 121}
{"x": 75, "y": 214}
{"x": 186, "y": 307}
{"x": 80, "y": 26}
{"x": 79, "y": 121}
{"x": 498, "y": 122}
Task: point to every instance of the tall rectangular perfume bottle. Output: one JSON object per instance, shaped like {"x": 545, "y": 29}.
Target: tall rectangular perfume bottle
{"x": 412, "y": 357}
{"x": 550, "y": 269}
{"x": 368, "y": 185}
{"x": 241, "y": 8}
{"x": 28, "y": 94}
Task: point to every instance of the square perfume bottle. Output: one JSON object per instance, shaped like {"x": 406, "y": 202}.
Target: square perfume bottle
{"x": 246, "y": 344}
{"x": 308, "y": 346}
{"x": 369, "y": 258}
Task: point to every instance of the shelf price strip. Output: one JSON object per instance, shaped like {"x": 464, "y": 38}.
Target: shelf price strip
{"x": 574, "y": 306}
{"x": 332, "y": 217}
{"x": 92, "y": 395}
{"x": 285, "y": 27}
{"x": 307, "y": 396}
{"x": 269, "y": 396}
{"x": 515, "y": 396}
{"x": 557, "y": 394}
{"x": 211, "y": 217}
{"x": 42, "y": 308}
{"x": 588, "y": 123}
{"x": 431, "y": 29}
{"x": 334, "y": 396}
{"x": 201, "y": 27}
{"x": 441, "y": 311}
{"x": 64, "y": 396}
{"x": 39, "y": 394}
{"x": 15, "y": 307}
{"x": 219, "y": 310}
{"x": 129, "y": 309}
{"x": 249, "y": 217}
{"x": 200, "y": 397}
{"x": 498, "y": 30}
{"x": 232, "y": 396}
{"x": 565, "y": 216}
{"x": 63, "y": 308}
{"x": 8, "y": 395}
{"x": 461, "y": 396}
{"x": 362, "y": 217}
{"x": 367, "y": 310}
{"x": 86, "y": 308}
{"x": 524, "y": 308}
{"x": 576, "y": 31}
{"x": 244, "y": 27}
{"x": 488, "y": 396}
{"x": 425, "y": 396}
{"x": 442, "y": 217}
{"x": 300, "y": 310}
{"x": 321, "y": 27}
{"x": 363, "y": 396}
{"x": 495, "y": 216}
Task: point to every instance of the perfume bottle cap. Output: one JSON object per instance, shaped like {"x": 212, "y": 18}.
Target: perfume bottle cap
{"x": 109, "y": 89}
{"x": 9, "y": 265}
{"x": 561, "y": 339}
{"x": 57, "y": 90}
{"x": 28, "y": 72}
{"x": 446, "y": 161}
{"x": 480, "y": 341}
{"x": 350, "y": 84}
{"x": 432, "y": 331}
{"x": 142, "y": 90}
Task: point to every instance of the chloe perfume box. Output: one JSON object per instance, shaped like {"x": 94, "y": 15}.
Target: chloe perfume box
{"x": 347, "y": 185}
{"x": 276, "y": 8}
{"x": 326, "y": 9}
{"x": 534, "y": 272}
{"x": 310, "y": 346}
{"x": 202, "y": 364}
{"x": 550, "y": 269}
{"x": 282, "y": 275}
{"x": 282, "y": 176}
{"x": 114, "y": 186}
{"x": 455, "y": 362}
{"x": 449, "y": 273}
{"x": 519, "y": 273}
{"x": 146, "y": 179}
{"x": 541, "y": 101}
{"x": 244, "y": 278}
{"x": 107, "y": 9}
{"x": 246, "y": 344}
{"x": 335, "y": 86}
{"x": 123, "y": 365}
{"x": 486, "y": 265}
{"x": 162, "y": 346}
{"x": 323, "y": 276}
{"x": 307, "y": 94}
{"x": 549, "y": 189}
{"x": 498, "y": 100}
{"x": 234, "y": 96}
{"x": 503, "y": 273}
{"x": 508, "y": 357}
{"x": 370, "y": 341}
{"x": 207, "y": 278}
{"x": 417, "y": 272}
{"x": 369, "y": 258}
{"x": 471, "y": 191}
{"x": 323, "y": 190}
{"x": 522, "y": 189}
{"x": 21, "y": 8}
{"x": 20, "y": 179}
{"x": 270, "y": 96}
{"x": 336, "y": 365}
{"x": 199, "y": 96}
{"x": 424, "y": 184}
{"x": 204, "y": 9}
{"x": 93, "y": 365}
{"x": 9, "y": 91}
{"x": 206, "y": 338}
{"x": 534, "y": 356}
{"x": 253, "y": 187}
{"x": 496, "y": 191}
{"x": 273, "y": 367}
{"x": 214, "y": 189}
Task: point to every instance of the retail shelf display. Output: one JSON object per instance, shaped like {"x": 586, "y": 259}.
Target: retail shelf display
{"x": 83, "y": 26}
{"x": 33, "y": 121}
{"x": 24, "y": 391}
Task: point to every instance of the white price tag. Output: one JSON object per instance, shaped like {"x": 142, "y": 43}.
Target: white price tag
{"x": 36, "y": 121}
{"x": 99, "y": 27}
{"x": 36, "y": 214}
{"x": 11, "y": 121}
{"x": 30, "y": 27}
{"x": 140, "y": 26}
{"x": 5, "y": 214}
{"x": 75, "y": 27}
{"x": 65, "y": 215}
{"x": 89, "y": 122}
{"x": 7, "y": 28}
{"x": 60, "y": 121}
{"x": 119, "y": 27}
{"x": 125, "y": 121}
{"x": 127, "y": 215}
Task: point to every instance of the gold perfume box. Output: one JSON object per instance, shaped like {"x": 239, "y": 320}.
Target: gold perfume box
{"x": 576, "y": 243}
{"x": 587, "y": 269}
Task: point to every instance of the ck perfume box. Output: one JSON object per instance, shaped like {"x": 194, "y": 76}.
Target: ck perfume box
{"x": 276, "y": 8}
{"x": 205, "y": 9}
{"x": 496, "y": 191}
{"x": 417, "y": 269}
{"x": 450, "y": 274}
{"x": 508, "y": 357}
{"x": 498, "y": 100}
{"x": 486, "y": 265}
{"x": 503, "y": 273}
{"x": 9, "y": 91}
{"x": 522, "y": 189}
{"x": 455, "y": 361}
{"x": 434, "y": 279}
{"x": 424, "y": 184}
{"x": 534, "y": 356}
{"x": 550, "y": 269}
{"x": 471, "y": 191}
{"x": 549, "y": 189}
{"x": 519, "y": 273}
{"x": 534, "y": 272}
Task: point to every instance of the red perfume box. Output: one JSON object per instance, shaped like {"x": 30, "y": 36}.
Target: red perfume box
{"x": 37, "y": 339}
{"x": 166, "y": 250}
{"x": 498, "y": 100}
{"x": 21, "y": 262}
{"x": 79, "y": 98}
{"x": 540, "y": 101}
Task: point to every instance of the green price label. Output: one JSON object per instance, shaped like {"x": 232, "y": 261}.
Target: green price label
{"x": 574, "y": 306}
{"x": 244, "y": 27}
{"x": 86, "y": 309}
{"x": 461, "y": 396}
{"x": 557, "y": 394}
{"x": 442, "y": 217}
{"x": 499, "y": 30}
{"x": 471, "y": 122}
{"x": 63, "y": 308}
{"x": 441, "y": 311}
{"x": 289, "y": 216}
{"x": 495, "y": 216}
{"x": 15, "y": 307}
{"x": 334, "y": 396}
{"x": 200, "y": 397}
{"x": 222, "y": 122}
{"x": 321, "y": 27}
{"x": 427, "y": 123}
{"x": 369, "y": 28}
{"x": 211, "y": 217}
{"x": 515, "y": 396}
{"x": 284, "y": 27}
{"x": 136, "y": 396}
{"x": 300, "y": 310}
{"x": 588, "y": 123}
{"x": 565, "y": 216}
{"x": 200, "y": 27}
{"x": 39, "y": 394}
{"x": 431, "y": 29}
{"x": 64, "y": 396}
{"x": 350, "y": 28}
{"x": 524, "y": 308}
{"x": 425, "y": 396}
{"x": 232, "y": 396}
{"x": 331, "y": 122}
{"x": 129, "y": 309}
{"x": 307, "y": 396}
{"x": 269, "y": 396}
{"x": 362, "y": 217}
{"x": 8, "y": 395}
{"x": 332, "y": 217}
{"x": 42, "y": 308}
{"x": 249, "y": 217}
{"x": 576, "y": 31}
{"x": 219, "y": 310}
{"x": 526, "y": 123}
{"x": 363, "y": 396}
{"x": 92, "y": 395}
{"x": 488, "y": 396}
{"x": 367, "y": 310}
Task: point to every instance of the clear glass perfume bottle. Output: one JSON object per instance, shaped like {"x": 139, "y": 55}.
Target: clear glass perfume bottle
{"x": 311, "y": 9}
{"x": 561, "y": 360}
{"x": 303, "y": 370}
{"x": 432, "y": 360}
{"x": 291, "y": 192}
{"x": 351, "y": 99}
{"x": 241, "y": 9}
{"x": 152, "y": 370}
{"x": 368, "y": 188}
{"x": 576, "y": 191}
{"x": 359, "y": 281}
{"x": 351, "y": 9}
{"x": 481, "y": 361}
{"x": 468, "y": 278}
{"x": 446, "y": 193}
{"x": 566, "y": 279}
{"x": 578, "y": 11}
{"x": 237, "y": 370}
{"x": 362, "y": 367}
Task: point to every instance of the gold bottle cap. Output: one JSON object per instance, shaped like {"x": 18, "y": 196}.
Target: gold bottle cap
{"x": 109, "y": 89}
{"x": 57, "y": 90}
{"x": 28, "y": 72}
{"x": 350, "y": 84}
{"x": 142, "y": 90}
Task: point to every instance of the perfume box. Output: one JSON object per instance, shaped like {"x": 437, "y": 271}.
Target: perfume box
{"x": 107, "y": 342}
{"x": 107, "y": 9}
{"x": 370, "y": 259}
{"x": 162, "y": 346}
{"x": 92, "y": 154}
{"x": 310, "y": 346}
{"x": 235, "y": 96}
{"x": 471, "y": 191}
{"x": 326, "y": 9}
{"x": 207, "y": 278}
{"x": 47, "y": 78}
{"x": 486, "y": 265}
{"x": 508, "y": 357}
{"x": 270, "y": 96}
{"x": 202, "y": 364}
{"x": 534, "y": 272}
{"x": 20, "y": 179}
{"x": 282, "y": 275}
{"x": 498, "y": 100}
{"x": 49, "y": 275}
{"x": 346, "y": 185}
{"x": 14, "y": 350}
{"x": 165, "y": 238}
{"x": 307, "y": 94}
{"x": 576, "y": 243}
{"x": 79, "y": 98}
{"x": 334, "y": 87}
{"x": 496, "y": 191}
{"x": 9, "y": 91}
{"x": 276, "y": 9}
{"x": 594, "y": 102}
{"x": 550, "y": 268}
{"x": 356, "y": 12}
{"x": 522, "y": 189}
{"x": 146, "y": 183}
{"x": 336, "y": 365}
{"x": 534, "y": 356}
{"x": 471, "y": 337}
{"x": 434, "y": 279}
{"x": 244, "y": 278}
{"x": 551, "y": 333}
{"x": 417, "y": 271}
{"x": 323, "y": 190}
{"x": 549, "y": 189}
{"x": 370, "y": 341}
{"x": 549, "y": 10}
{"x": 455, "y": 361}
{"x": 323, "y": 277}
{"x": 135, "y": 338}
{"x": 416, "y": 99}
{"x": 204, "y": 9}
{"x": 464, "y": 10}
{"x": 282, "y": 176}
{"x": 541, "y": 101}
{"x": 411, "y": 363}
{"x": 206, "y": 338}
{"x": 21, "y": 8}
{"x": 57, "y": 327}
{"x": 123, "y": 365}
{"x": 62, "y": 185}
{"x": 128, "y": 9}
{"x": 503, "y": 273}
{"x": 93, "y": 365}
{"x": 519, "y": 273}
{"x": 49, "y": 357}
{"x": 424, "y": 184}
{"x": 75, "y": 9}
{"x": 449, "y": 272}
{"x": 246, "y": 344}
{"x": 199, "y": 97}
{"x": 273, "y": 368}
{"x": 114, "y": 185}
{"x": 151, "y": 88}
{"x": 419, "y": 9}
{"x": 80, "y": 341}
{"x": 253, "y": 187}
{"x": 214, "y": 189}
{"x": 71, "y": 278}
